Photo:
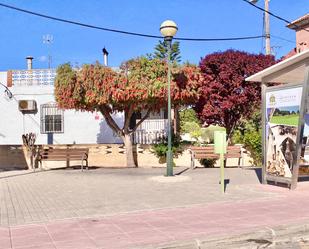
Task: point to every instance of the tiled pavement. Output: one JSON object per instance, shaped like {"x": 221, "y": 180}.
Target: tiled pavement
{"x": 50, "y": 209}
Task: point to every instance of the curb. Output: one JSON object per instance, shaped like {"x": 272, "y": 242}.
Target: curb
{"x": 294, "y": 237}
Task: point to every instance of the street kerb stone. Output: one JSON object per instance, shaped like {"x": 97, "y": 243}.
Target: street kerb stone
{"x": 292, "y": 236}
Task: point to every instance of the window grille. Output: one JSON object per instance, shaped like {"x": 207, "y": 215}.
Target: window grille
{"x": 51, "y": 119}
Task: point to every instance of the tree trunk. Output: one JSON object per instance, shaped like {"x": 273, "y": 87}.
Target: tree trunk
{"x": 124, "y": 133}
{"x": 129, "y": 151}
{"x": 229, "y": 133}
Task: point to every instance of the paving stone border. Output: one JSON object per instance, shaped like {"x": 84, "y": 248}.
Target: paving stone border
{"x": 294, "y": 237}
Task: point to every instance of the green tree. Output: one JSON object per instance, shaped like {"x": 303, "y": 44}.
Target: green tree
{"x": 249, "y": 133}
{"x": 161, "y": 51}
{"x": 193, "y": 129}
{"x": 99, "y": 88}
{"x": 187, "y": 116}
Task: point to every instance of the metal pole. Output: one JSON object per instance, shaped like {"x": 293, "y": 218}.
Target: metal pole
{"x": 264, "y": 146}
{"x": 49, "y": 61}
{"x": 222, "y": 172}
{"x": 169, "y": 156}
{"x": 267, "y": 32}
{"x": 301, "y": 125}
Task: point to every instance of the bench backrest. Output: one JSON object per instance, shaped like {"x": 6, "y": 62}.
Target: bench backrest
{"x": 53, "y": 154}
{"x": 233, "y": 151}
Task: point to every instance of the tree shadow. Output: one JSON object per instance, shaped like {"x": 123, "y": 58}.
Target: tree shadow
{"x": 75, "y": 167}
{"x": 106, "y": 135}
{"x": 12, "y": 158}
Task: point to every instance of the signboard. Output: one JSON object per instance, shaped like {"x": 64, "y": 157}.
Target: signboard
{"x": 220, "y": 142}
{"x": 282, "y": 117}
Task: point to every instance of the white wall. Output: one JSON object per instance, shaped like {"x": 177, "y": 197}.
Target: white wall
{"x": 79, "y": 127}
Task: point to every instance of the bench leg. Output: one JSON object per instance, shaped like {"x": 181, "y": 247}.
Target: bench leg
{"x": 241, "y": 159}
{"x": 192, "y": 162}
{"x": 82, "y": 165}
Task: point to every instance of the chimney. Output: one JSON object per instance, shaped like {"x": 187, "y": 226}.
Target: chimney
{"x": 29, "y": 62}
{"x": 105, "y": 56}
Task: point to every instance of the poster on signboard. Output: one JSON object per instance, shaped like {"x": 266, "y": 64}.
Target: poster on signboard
{"x": 282, "y": 116}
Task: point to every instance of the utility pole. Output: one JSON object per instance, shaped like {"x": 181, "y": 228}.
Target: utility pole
{"x": 266, "y": 25}
{"x": 267, "y": 31}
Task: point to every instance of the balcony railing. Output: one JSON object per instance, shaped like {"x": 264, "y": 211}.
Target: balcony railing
{"x": 151, "y": 131}
{"x": 148, "y": 137}
{"x": 153, "y": 125}
{"x": 35, "y": 77}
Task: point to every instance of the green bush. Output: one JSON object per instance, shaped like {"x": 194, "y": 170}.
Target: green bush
{"x": 249, "y": 133}
{"x": 187, "y": 116}
{"x": 208, "y": 163}
{"x": 193, "y": 129}
{"x": 160, "y": 149}
{"x": 253, "y": 143}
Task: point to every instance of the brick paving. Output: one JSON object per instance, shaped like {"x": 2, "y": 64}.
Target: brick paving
{"x": 110, "y": 208}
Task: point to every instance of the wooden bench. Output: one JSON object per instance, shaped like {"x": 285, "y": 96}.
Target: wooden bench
{"x": 207, "y": 152}
{"x": 63, "y": 154}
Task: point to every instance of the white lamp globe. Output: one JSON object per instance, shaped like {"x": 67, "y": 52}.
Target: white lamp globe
{"x": 168, "y": 28}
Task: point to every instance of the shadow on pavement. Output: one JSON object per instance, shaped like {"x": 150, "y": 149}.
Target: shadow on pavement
{"x": 258, "y": 172}
{"x": 226, "y": 182}
{"x": 182, "y": 171}
{"x": 303, "y": 179}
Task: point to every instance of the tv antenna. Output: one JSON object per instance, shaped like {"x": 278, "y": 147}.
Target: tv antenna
{"x": 48, "y": 39}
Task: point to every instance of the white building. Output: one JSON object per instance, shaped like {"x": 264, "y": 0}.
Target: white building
{"x": 32, "y": 108}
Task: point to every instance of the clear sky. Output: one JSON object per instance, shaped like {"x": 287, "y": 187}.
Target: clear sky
{"x": 21, "y": 34}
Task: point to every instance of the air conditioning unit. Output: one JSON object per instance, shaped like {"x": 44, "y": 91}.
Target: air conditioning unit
{"x": 27, "y": 105}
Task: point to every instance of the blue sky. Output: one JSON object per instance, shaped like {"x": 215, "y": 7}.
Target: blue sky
{"x": 21, "y": 34}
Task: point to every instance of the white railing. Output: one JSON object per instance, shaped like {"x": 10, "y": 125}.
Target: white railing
{"x": 35, "y": 77}
{"x": 153, "y": 125}
{"x": 148, "y": 137}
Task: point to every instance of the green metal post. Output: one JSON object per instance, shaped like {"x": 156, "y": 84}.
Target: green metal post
{"x": 169, "y": 158}
{"x": 222, "y": 172}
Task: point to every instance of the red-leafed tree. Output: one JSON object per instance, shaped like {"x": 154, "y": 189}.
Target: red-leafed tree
{"x": 225, "y": 95}
{"x": 140, "y": 84}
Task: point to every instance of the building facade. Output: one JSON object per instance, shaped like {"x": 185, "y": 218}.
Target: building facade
{"x": 301, "y": 27}
{"x": 28, "y": 105}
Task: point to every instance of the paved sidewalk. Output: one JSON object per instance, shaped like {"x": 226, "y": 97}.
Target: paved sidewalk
{"x": 129, "y": 211}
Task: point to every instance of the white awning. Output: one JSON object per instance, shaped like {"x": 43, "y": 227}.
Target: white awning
{"x": 291, "y": 70}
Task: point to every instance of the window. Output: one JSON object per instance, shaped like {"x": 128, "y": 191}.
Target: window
{"x": 51, "y": 119}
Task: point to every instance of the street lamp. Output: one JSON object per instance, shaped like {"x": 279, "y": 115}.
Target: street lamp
{"x": 168, "y": 29}
{"x": 266, "y": 23}
{"x": 7, "y": 91}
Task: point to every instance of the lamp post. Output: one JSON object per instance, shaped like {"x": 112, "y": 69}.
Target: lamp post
{"x": 168, "y": 29}
{"x": 7, "y": 91}
{"x": 266, "y": 23}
